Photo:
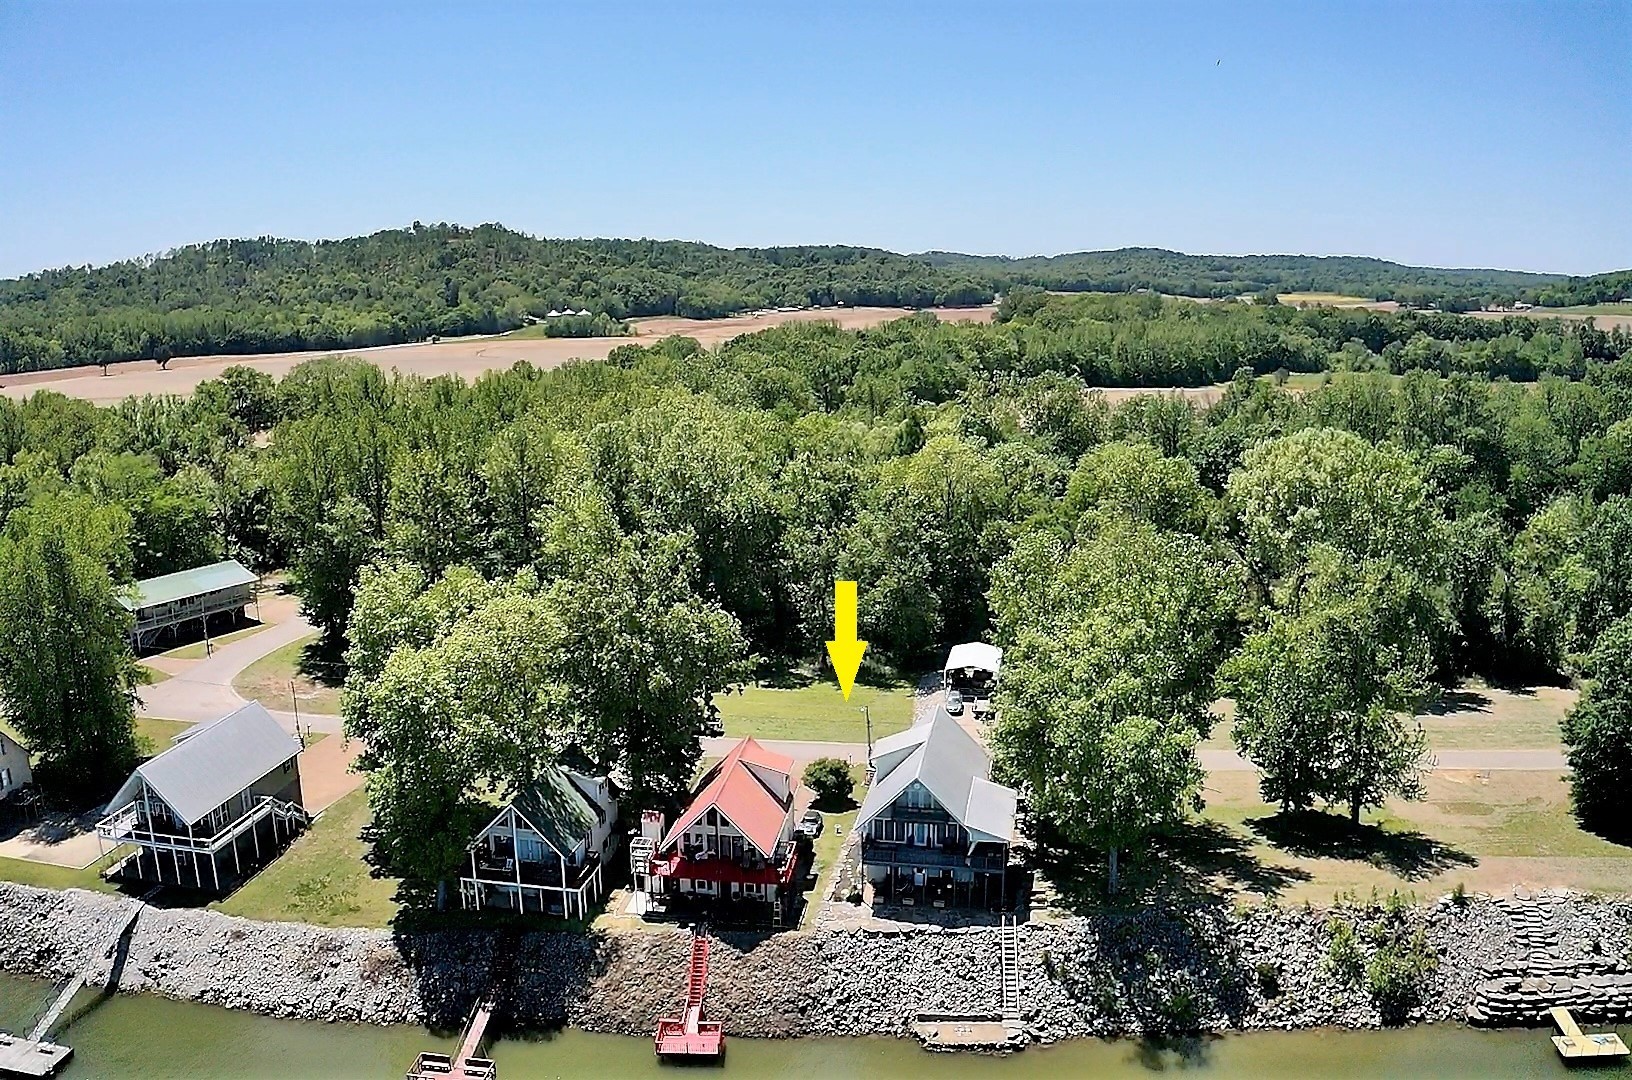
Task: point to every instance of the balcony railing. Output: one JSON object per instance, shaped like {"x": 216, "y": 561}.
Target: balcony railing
{"x": 501, "y": 870}
{"x": 128, "y": 825}
{"x": 882, "y": 854}
{"x": 748, "y": 859}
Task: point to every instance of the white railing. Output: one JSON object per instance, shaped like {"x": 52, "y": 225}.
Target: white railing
{"x": 125, "y": 826}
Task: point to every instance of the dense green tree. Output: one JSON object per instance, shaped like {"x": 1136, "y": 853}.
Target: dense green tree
{"x": 1112, "y": 644}
{"x": 1598, "y": 733}
{"x": 67, "y": 678}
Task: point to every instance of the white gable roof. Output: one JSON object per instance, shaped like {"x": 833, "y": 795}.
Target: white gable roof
{"x": 216, "y": 761}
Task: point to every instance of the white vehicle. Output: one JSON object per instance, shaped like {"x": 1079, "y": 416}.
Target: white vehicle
{"x": 954, "y": 703}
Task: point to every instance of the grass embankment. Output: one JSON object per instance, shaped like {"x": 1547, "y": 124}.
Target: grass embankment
{"x": 46, "y": 876}
{"x": 816, "y": 712}
{"x": 322, "y": 878}
{"x": 316, "y": 684}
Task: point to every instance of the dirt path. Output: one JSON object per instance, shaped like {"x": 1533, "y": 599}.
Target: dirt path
{"x": 467, "y": 357}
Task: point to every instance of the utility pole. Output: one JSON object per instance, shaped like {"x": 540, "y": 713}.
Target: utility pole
{"x": 867, "y": 714}
{"x": 295, "y": 701}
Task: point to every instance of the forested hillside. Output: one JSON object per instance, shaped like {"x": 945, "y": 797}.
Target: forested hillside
{"x": 1598, "y": 289}
{"x": 1129, "y": 269}
{"x": 603, "y": 548}
{"x": 269, "y": 295}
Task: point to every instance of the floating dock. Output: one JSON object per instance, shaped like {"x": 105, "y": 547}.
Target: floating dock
{"x": 28, "y": 1057}
{"x": 467, "y": 1064}
{"x": 1573, "y": 1044}
{"x": 36, "y": 1055}
{"x": 689, "y": 1036}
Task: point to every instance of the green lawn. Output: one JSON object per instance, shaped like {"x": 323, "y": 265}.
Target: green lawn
{"x": 1615, "y": 307}
{"x": 154, "y": 735}
{"x": 826, "y": 849}
{"x": 46, "y": 876}
{"x": 196, "y": 651}
{"x": 815, "y": 713}
{"x": 267, "y": 680}
{"x": 322, "y": 878}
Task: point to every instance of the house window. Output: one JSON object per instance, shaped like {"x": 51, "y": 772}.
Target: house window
{"x": 5, "y": 779}
{"x": 713, "y": 818}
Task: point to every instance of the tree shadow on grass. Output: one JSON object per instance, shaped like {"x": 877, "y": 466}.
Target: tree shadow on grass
{"x": 782, "y": 675}
{"x": 1315, "y": 834}
{"x": 1457, "y": 701}
{"x": 322, "y": 662}
{"x": 1198, "y": 862}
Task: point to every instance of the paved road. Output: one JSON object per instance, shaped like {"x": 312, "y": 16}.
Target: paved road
{"x": 1211, "y": 760}
{"x": 204, "y": 691}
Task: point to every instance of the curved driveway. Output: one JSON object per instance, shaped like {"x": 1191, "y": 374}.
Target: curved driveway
{"x": 204, "y": 691}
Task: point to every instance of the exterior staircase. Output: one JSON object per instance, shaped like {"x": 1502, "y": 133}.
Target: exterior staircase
{"x": 1009, "y": 956}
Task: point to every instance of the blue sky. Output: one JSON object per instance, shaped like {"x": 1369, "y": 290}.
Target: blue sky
{"x": 1450, "y": 134}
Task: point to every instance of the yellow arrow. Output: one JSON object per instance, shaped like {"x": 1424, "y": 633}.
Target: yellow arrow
{"x": 845, "y": 650}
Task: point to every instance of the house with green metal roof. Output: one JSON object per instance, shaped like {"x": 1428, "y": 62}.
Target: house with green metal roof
{"x": 545, "y": 852}
{"x": 172, "y": 601}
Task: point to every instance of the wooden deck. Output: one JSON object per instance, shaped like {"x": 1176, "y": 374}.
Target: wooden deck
{"x": 689, "y": 1035}
{"x": 25, "y": 1057}
{"x": 1575, "y": 1045}
{"x": 939, "y": 1032}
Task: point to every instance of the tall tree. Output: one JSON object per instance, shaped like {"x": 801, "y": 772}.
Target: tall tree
{"x": 1112, "y": 645}
{"x": 67, "y": 677}
{"x": 1323, "y": 691}
{"x": 1598, "y": 733}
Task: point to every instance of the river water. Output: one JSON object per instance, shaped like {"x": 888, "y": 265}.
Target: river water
{"x": 141, "y": 1037}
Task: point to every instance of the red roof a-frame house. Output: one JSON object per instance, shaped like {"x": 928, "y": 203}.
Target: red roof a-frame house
{"x": 735, "y": 840}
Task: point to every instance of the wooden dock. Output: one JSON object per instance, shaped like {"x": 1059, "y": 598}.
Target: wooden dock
{"x": 467, "y": 1064}
{"x": 1575, "y": 1045}
{"x": 944, "y": 1031}
{"x": 35, "y": 1055}
{"x": 28, "y": 1057}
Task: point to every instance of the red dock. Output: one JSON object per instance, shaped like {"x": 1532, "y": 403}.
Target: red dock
{"x": 689, "y": 1035}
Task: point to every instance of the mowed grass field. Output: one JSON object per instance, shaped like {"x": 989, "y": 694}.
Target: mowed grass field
{"x": 1488, "y": 831}
{"x": 322, "y": 877}
{"x": 1328, "y": 299}
{"x": 268, "y": 680}
{"x": 815, "y": 713}
{"x": 1474, "y": 716}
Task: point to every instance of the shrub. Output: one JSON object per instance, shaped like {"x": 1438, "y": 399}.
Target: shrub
{"x": 830, "y": 779}
{"x": 1396, "y": 975}
{"x": 1343, "y": 957}
{"x": 1269, "y": 980}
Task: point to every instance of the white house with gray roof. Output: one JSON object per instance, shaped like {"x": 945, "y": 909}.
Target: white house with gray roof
{"x": 220, "y": 802}
{"x": 935, "y": 828}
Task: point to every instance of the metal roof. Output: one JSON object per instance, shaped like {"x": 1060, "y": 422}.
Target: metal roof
{"x": 152, "y": 592}
{"x": 215, "y": 762}
{"x": 954, "y": 768}
{"x": 974, "y": 654}
{"x": 736, "y": 788}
